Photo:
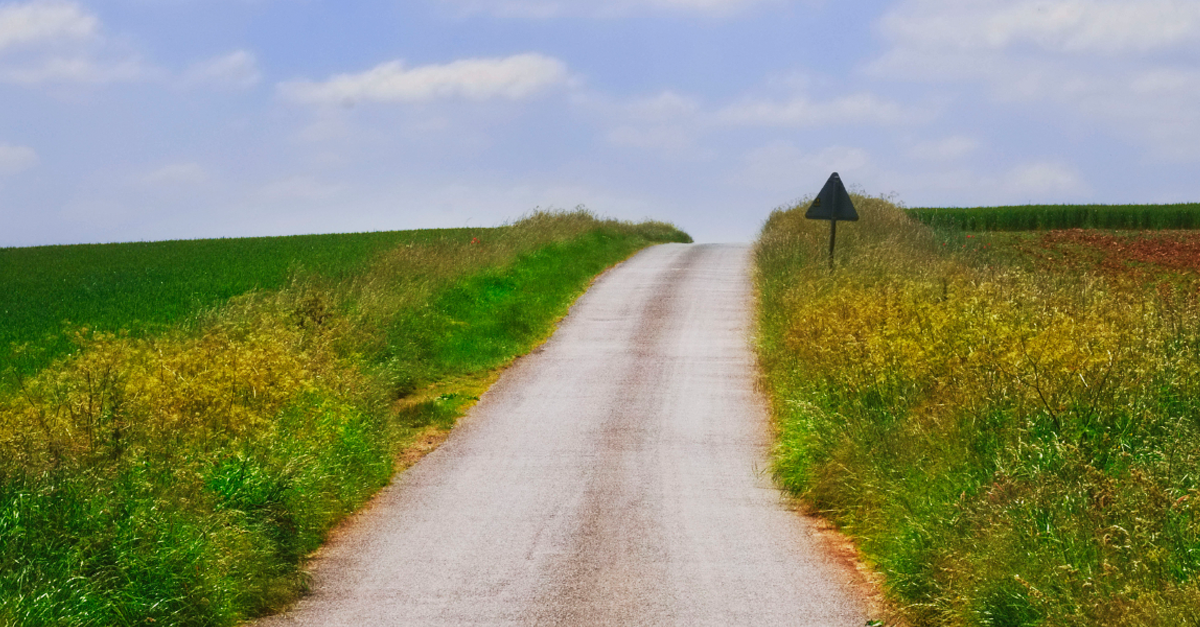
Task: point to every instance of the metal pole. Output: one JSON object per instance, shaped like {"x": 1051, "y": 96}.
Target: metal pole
{"x": 832, "y": 238}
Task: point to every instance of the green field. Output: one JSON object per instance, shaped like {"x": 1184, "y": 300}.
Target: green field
{"x": 1047, "y": 217}
{"x": 179, "y": 474}
{"x": 1007, "y": 424}
{"x": 45, "y": 291}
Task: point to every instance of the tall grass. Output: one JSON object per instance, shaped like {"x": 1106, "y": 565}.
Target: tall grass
{"x": 181, "y": 477}
{"x": 1009, "y": 448}
{"x": 1048, "y": 217}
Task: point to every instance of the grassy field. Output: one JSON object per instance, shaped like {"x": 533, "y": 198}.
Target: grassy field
{"x": 1008, "y": 423}
{"x": 1047, "y": 217}
{"x": 148, "y": 286}
{"x": 180, "y": 476}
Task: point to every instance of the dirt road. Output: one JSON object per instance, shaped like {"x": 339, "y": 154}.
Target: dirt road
{"x": 614, "y": 477}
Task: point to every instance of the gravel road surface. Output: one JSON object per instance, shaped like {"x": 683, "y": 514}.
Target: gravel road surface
{"x": 614, "y": 477}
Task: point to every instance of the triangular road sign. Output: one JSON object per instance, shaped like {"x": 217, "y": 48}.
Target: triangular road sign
{"x": 833, "y": 203}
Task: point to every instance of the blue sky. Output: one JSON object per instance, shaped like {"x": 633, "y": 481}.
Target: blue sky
{"x": 134, "y": 120}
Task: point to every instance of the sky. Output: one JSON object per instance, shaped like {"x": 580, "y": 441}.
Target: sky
{"x": 134, "y": 120}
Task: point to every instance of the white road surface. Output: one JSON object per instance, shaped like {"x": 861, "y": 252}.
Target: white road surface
{"x": 617, "y": 476}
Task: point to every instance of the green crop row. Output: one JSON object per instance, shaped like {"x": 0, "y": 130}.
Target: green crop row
{"x": 146, "y": 286}
{"x": 1009, "y": 447}
{"x": 180, "y": 477}
{"x": 1048, "y": 217}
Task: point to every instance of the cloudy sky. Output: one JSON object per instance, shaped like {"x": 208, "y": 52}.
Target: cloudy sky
{"x": 161, "y": 119}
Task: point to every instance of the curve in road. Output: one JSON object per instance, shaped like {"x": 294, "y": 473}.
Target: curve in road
{"x": 613, "y": 477}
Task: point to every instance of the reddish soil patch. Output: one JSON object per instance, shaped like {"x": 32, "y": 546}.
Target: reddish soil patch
{"x": 1121, "y": 253}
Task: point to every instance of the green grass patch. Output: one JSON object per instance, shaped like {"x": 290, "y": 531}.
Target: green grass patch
{"x": 1050, "y": 217}
{"x": 1011, "y": 443}
{"x": 180, "y": 477}
{"x": 144, "y": 287}
{"x": 483, "y": 320}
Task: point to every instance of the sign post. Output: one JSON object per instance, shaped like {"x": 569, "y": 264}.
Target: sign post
{"x": 833, "y": 204}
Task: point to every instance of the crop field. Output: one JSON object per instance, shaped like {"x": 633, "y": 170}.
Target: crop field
{"x": 1144, "y": 254}
{"x": 1048, "y": 217}
{"x": 179, "y": 474}
{"x": 46, "y": 291}
{"x": 1008, "y": 423}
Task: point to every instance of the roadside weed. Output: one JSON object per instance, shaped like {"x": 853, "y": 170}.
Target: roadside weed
{"x": 1010, "y": 447}
{"x": 180, "y": 476}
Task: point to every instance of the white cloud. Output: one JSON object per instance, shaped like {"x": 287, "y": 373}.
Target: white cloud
{"x": 668, "y": 139}
{"x": 53, "y": 41}
{"x": 782, "y": 165}
{"x": 75, "y": 69}
{"x": 675, "y": 124}
{"x": 176, "y": 175}
{"x": 945, "y": 149}
{"x": 668, "y": 123}
{"x": 44, "y": 22}
{"x": 237, "y": 70}
{"x": 956, "y": 184}
{"x": 1048, "y": 39}
{"x": 1042, "y": 179}
{"x": 298, "y": 188}
{"x": 1103, "y": 63}
{"x": 667, "y": 106}
{"x": 801, "y": 111}
{"x": 959, "y": 185}
{"x": 545, "y": 9}
{"x": 1160, "y": 82}
{"x": 513, "y": 78}
{"x": 14, "y": 159}
{"x": 1071, "y": 26}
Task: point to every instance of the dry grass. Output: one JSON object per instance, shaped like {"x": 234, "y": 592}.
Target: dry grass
{"x": 1010, "y": 448}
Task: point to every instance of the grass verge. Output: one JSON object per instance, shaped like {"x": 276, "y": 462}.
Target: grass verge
{"x": 1009, "y": 445}
{"x": 181, "y": 477}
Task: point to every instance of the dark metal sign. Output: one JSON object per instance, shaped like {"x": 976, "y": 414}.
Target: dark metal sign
{"x": 833, "y": 204}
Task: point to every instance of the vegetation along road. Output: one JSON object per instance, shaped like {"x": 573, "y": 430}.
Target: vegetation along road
{"x": 211, "y": 409}
{"x": 613, "y": 477}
